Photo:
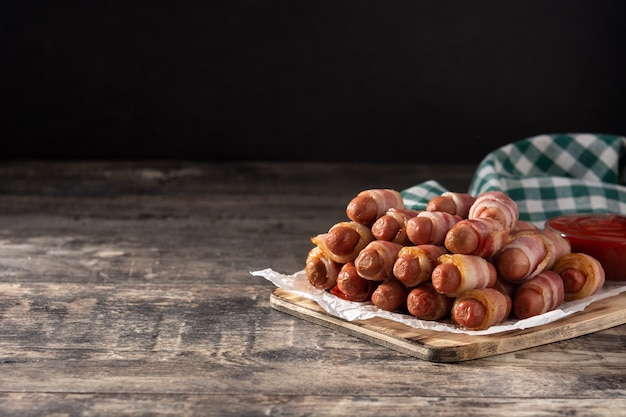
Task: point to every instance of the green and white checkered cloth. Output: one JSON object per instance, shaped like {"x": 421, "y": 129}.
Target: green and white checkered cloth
{"x": 548, "y": 175}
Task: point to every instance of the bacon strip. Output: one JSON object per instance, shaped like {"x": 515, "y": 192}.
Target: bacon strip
{"x": 452, "y": 202}
{"x": 481, "y": 308}
{"x": 523, "y": 227}
{"x": 520, "y": 259}
{"x": 367, "y": 206}
{"x": 392, "y": 226}
{"x": 430, "y": 227}
{"x": 457, "y": 273}
{"x": 481, "y": 237}
{"x": 320, "y": 271}
{"x": 544, "y": 292}
{"x": 582, "y": 275}
{"x": 528, "y": 254}
{"x": 495, "y": 205}
{"x": 331, "y": 241}
{"x": 375, "y": 262}
{"x": 415, "y": 264}
{"x": 556, "y": 246}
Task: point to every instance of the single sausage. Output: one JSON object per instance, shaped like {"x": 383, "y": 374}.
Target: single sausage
{"x": 481, "y": 308}
{"x": 367, "y": 206}
{"x": 430, "y": 227}
{"x": 415, "y": 264}
{"x": 452, "y": 202}
{"x": 481, "y": 237}
{"x": 527, "y": 254}
{"x": 520, "y": 258}
{"x": 582, "y": 274}
{"x": 375, "y": 261}
{"x": 458, "y": 273}
{"x": 447, "y": 279}
{"x": 391, "y": 226}
{"x": 352, "y": 285}
{"x": 425, "y": 303}
{"x": 469, "y": 313}
{"x": 390, "y": 295}
{"x": 556, "y": 246}
{"x": 514, "y": 265}
{"x": 320, "y": 271}
{"x": 573, "y": 279}
{"x": 495, "y": 205}
{"x": 463, "y": 238}
{"x": 419, "y": 230}
{"x": 343, "y": 241}
{"x": 386, "y": 228}
{"x": 542, "y": 293}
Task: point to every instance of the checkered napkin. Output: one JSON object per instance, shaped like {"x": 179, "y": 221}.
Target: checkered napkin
{"x": 548, "y": 175}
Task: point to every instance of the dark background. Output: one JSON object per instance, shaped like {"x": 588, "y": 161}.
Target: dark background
{"x": 423, "y": 81}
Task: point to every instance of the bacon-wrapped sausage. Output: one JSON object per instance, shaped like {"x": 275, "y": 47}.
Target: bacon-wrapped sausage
{"x": 390, "y": 295}
{"x": 519, "y": 259}
{"x": 430, "y": 227}
{"x": 481, "y": 237}
{"x": 375, "y": 261}
{"x": 415, "y": 264}
{"x": 391, "y": 226}
{"x": 556, "y": 246}
{"x": 321, "y": 272}
{"x": 495, "y": 205}
{"x": 582, "y": 275}
{"x": 352, "y": 286}
{"x": 426, "y": 303}
{"x": 452, "y": 202}
{"x": 528, "y": 254}
{"x": 523, "y": 227}
{"x": 343, "y": 241}
{"x": 481, "y": 308}
{"x": 505, "y": 287}
{"x": 542, "y": 293}
{"x": 457, "y": 273}
{"x": 369, "y": 205}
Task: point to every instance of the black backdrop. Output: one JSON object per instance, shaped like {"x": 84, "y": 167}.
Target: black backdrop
{"x": 441, "y": 81}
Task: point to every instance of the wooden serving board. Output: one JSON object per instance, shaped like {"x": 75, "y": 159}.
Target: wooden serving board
{"x": 436, "y": 346}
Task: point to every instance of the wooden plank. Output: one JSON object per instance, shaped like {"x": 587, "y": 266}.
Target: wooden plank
{"x": 438, "y": 346}
{"x": 226, "y": 340}
{"x": 93, "y": 404}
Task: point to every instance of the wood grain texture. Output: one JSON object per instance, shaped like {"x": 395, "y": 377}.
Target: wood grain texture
{"x": 438, "y": 346}
{"x": 299, "y": 405}
{"x": 125, "y": 289}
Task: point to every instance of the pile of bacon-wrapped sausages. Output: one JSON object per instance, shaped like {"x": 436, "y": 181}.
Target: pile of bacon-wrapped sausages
{"x": 465, "y": 258}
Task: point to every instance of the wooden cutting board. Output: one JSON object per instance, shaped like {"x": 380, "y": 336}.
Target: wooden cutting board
{"x": 436, "y": 346}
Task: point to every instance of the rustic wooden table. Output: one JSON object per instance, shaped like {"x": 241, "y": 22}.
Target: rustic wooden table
{"x": 125, "y": 289}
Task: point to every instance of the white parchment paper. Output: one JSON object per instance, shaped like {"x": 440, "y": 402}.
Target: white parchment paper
{"x": 299, "y": 284}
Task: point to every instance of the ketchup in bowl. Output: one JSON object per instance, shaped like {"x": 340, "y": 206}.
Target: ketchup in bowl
{"x": 601, "y": 235}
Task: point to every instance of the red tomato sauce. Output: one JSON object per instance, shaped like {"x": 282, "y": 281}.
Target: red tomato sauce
{"x": 602, "y": 236}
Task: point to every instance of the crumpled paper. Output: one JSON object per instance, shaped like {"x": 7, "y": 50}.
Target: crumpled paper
{"x": 350, "y": 311}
